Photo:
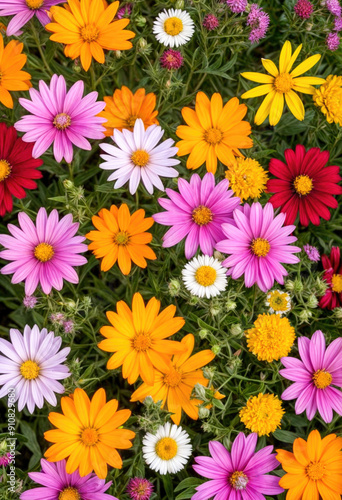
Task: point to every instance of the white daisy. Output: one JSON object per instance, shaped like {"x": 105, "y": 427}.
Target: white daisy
{"x": 278, "y": 302}
{"x": 204, "y": 276}
{"x": 138, "y": 158}
{"x": 168, "y": 450}
{"x": 173, "y": 27}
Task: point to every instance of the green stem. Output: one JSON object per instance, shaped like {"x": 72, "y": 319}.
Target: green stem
{"x": 38, "y": 44}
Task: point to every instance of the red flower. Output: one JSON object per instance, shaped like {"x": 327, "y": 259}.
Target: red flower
{"x": 17, "y": 168}
{"x": 333, "y": 277}
{"x": 304, "y": 184}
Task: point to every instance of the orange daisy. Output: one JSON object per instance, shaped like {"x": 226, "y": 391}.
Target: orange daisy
{"x": 213, "y": 131}
{"x": 86, "y": 27}
{"x": 88, "y": 433}
{"x": 314, "y": 469}
{"x": 137, "y": 338}
{"x": 121, "y": 237}
{"x": 124, "y": 108}
{"x": 174, "y": 383}
{"x": 11, "y": 76}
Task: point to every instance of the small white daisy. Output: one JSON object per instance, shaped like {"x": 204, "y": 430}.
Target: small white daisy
{"x": 204, "y": 276}
{"x": 173, "y": 27}
{"x": 138, "y": 158}
{"x": 168, "y": 450}
{"x": 278, "y": 302}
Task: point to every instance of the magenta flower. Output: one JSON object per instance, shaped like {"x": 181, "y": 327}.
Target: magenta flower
{"x": 303, "y": 9}
{"x": 139, "y": 489}
{"x": 5, "y": 459}
{"x": 241, "y": 474}
{"x": 62, "y": 118}
{"x": 23, "y": 11}
{"x": 171, "y": 59}
{"x": 210, "y": 22}
{"x": 258, "y": 243}
{"x": 31, "y": 365}
{"x": 44, "y": 253}
{"x": 312, "y": 253}
{"x": 332, "y": 41}
{"x": 315, "y": 376}
{"x": 259, "y": 21}
{"x": 237, "y": 6}
{"x": 57, "y": 484}
{"x": 196, "y": 213}
{"x": 334, "y": 7}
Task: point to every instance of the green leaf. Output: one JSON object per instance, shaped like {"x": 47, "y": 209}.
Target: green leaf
{"x": 31, "y": 444}
{"x": 285, "y": 436}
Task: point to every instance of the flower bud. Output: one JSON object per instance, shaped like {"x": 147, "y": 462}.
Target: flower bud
{"x": 304, "y": 316}
{"x": 321, "y": 286}
{"x": 215, "y": 309}
{"x": 140, "y": 21}
{"x": 312, "y": 301}
{"x": 200, "y": 391}
{"x": 203, "y": 412}
{"x": 148, "y": 401}
{"x": 203, "y": 333}
{"x": 174, "y": 287}
{"x": 118, "y": 54}
{"x": 231, "y": 305}
{"x": 218, "y": 255}
{"x": 236, "y": 330}
{"x": 216, "y": 349}
{"x": 338, "y": 312}
{"x": 68, "y": 184}
{"x": 179, "y": 4}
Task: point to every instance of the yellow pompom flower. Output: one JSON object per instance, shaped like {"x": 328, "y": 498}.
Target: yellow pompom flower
{"x": 86, "y": 27}
{"x": 262, "y": 414}
{"x": 247, "y": 178}
{"x": 271, "y": 338}
{"x": 329, "y": 98}
{"x": 283, "y": 82}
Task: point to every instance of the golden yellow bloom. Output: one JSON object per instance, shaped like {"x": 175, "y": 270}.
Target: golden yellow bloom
{"x": 124, "y": 108}
{"x": 213, "y": 132}
{"x": 283, "y": 83}
{"x": 86, "y": 27}
{"x": 329, "y": 98}
{"x": 121, "y": 237}
{"x": 174, "y": 384}
{"x": 88, "y": 433}
{"x": 11, "y": 76}
{"x": 271, "y": 338}
{"x": 313, "y": 469}
{"x": 247, "y": 178}
{"x": 138, "y": 336}
{"x": 262, "y": 414}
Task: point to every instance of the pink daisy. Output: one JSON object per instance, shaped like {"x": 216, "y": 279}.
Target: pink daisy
{"x": 314, "y": 376}
{"x": 241, "y": 474}
{"x": 196, "y": 213}
{"x": 23, "y": 11}
{"x": 258, "y": 243}
{"x": 43, "y": 252}
{"x": 62, "y": 118}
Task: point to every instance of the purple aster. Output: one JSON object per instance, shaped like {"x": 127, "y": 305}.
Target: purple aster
{"x": 237, "y": 6}
{"x": 338, "y": 24}
{"x": 139, "y": 489}
{"x": 334, "y": 7}
{"x": 171, "y": 59}
{"x": 57, "y": 484}
{"x": 316, "y": 376}
{"x": 312, "y": 253}
{"x": 259, "y": 21}
{"x": 241, "y": 474}
{"x": 5, "y": 459}
{"x": 210, "y": 22}
{"x": 124, "y": 11}
{"x": 62, "y": 118}
{"x": 68, "y": 326}
{"x": 44, "y": 252}
{"x": 332, "y": 41}
{"x": 31, "y": 365}
{"x": 196, "y": 213}
{"x": 30, "y": 301}
{"x": 23, "y": 11}
{"x": 258, "y": 242}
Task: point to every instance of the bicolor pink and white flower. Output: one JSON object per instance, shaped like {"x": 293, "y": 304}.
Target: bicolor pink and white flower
{"x": 62, "y": 118}
{"x": 32, "y": 364}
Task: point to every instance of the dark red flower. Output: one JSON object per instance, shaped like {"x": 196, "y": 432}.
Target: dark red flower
{"x": 17, "y": 168}
{"x": 304, "y": 184}
{"x": 333, "y": 277}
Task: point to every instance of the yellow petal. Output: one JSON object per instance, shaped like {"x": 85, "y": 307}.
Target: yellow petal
{"x": 258, "y": 91}
{"x": 285, "y": 56}
{"x": 264, "y": 109}
{"x": 270, "y": 67}
{"x": 306, "y": 65}
{"x": 308, "y": 80}
{"x": 293, "y": 58}
{"x": 276, "y": 110}
{"x": 258, "y": 77}
{"x": 295, "y": 104}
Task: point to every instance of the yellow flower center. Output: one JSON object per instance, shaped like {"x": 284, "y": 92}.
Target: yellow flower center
{"x": 205, "y": 276}
{"x": 238, "y": 480}
{"x": 89, "y": 436}
{"x": 121, "y": 238}
{"x": 322, "y": 379}
{"x": 173, "y": 378}
{"x": 5, "y": 170}
{"x": 283, "y": 83}
{"x": 34, "y": 4}
{"x": 44, "y": 252}
{"x": 336, "y": 283}
{"x": 142, "y": 342}
{"x": 69, "y": 494}
{"x": 303, "y": 185}
{"x": 62, "y": 121}
{"x": 140, "y": 158}
{"x": 166, "y": 448}
{"x": 213, "y": 136}
{"x": 260, "y": 247}
{"x": 173, "y": 26}
{"x": 278, "y": 301}
{"x": 315, "y": 471}
{"x": 202, "y": 215}
{"x": 29, "y": 370}
{"x": 247, "y": 178}
{"x": 90, "y": 33}
{"x": 130, "y": 122}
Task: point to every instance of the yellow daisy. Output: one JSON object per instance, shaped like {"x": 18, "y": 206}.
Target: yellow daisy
{"x": 283, "y": 82}
{"x": 262, "y": 414}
